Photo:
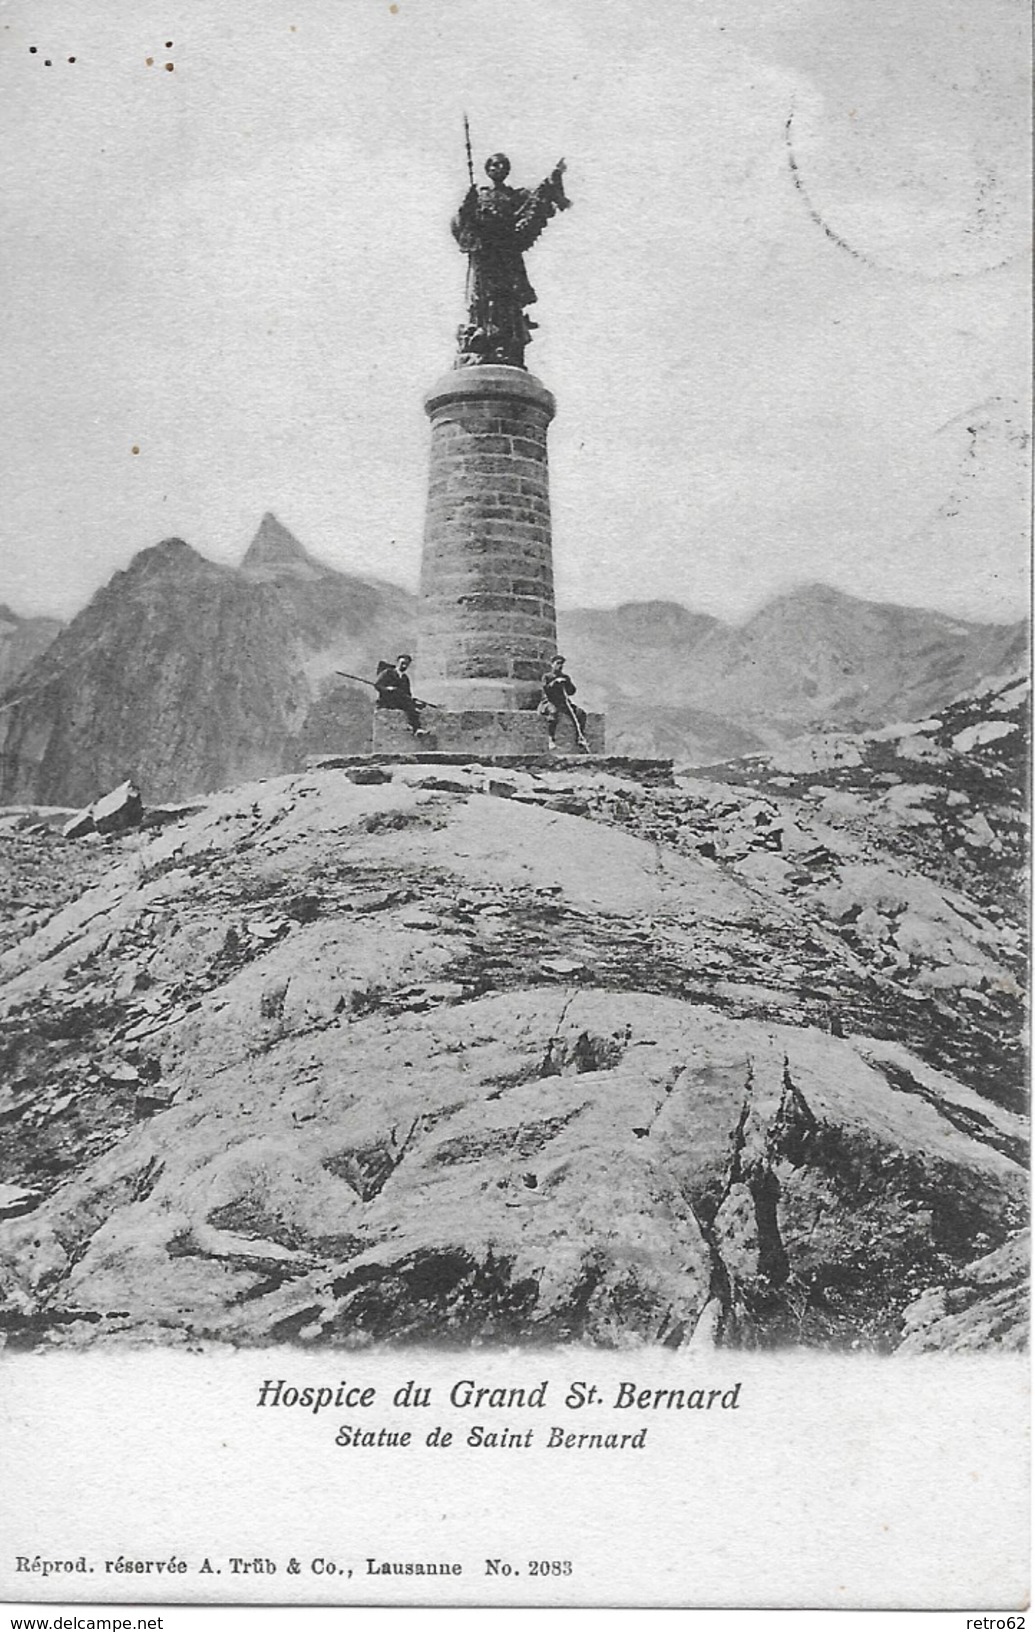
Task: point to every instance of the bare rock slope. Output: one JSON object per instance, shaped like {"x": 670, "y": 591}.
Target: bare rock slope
{"x": 471, "y": 1056}
{"x": 22, "y": 640}
{"x": 187, "y": 675}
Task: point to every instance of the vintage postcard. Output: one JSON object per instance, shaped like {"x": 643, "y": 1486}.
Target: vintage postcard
{"x": 513, "y": 804}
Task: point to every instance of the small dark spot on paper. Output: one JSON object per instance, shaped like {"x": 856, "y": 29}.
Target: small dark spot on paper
{"x": 168, "y": 45}
{"x": 150, "y": 61}
{"x": 134, "y": 449}
{"x": 169, "y": 67}
{"x": 33, "y": 49}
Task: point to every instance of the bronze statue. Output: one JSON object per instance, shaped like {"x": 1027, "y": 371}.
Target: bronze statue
{"x": 494, "y": 226}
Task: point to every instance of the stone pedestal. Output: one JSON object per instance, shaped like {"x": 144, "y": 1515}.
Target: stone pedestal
{"x": 492, "y": 732}
{"x": 487, "y": 629}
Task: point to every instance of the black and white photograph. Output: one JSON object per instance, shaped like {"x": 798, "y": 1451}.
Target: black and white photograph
{"x": 514, "y": 799}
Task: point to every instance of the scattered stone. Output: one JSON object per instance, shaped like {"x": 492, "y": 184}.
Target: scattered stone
{"x": 16, "y": 1201}
{"x": 1013, "y": 698}
{"x": 561, "y": 966}
{"x": 121, "y": 1071}
{"x": 984, "y": 731}
{"x": 267, "y": 929}
{"x": 841, "y": 802}
{"x": 118, "y": 810}
{"x": 126, "y": 984}
{"x": 906, "y": 800}
{"x": 764, "y": 865}
{"x": 367, "y": 775}
{"x": 304, "y": 908}
{"x": 872, "y": 926}
{"x": 419, "y": 998}
{"x": 155, "y": 1096}
{"x": 78, "y": 825}
{"x": 923, "y": 749}
{"x": 442, "y": 784}
{"x": 978, "y": 831}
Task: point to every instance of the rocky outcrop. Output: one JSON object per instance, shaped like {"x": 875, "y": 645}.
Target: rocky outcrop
{"x": 527, "y": 1057}
{"x": 116, "y": 811}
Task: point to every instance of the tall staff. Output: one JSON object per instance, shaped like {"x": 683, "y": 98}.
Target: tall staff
{"x": 467, "y": 144}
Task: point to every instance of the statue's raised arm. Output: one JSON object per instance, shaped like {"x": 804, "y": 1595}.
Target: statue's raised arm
{"x": 494, "y": 226}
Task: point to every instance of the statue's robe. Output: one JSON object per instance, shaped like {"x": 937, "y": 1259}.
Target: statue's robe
{"x": 494, "y": 226}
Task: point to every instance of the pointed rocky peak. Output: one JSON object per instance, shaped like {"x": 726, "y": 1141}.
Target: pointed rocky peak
{"x": 275, "y": 552}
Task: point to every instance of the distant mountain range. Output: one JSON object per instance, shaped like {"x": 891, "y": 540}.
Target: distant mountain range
{"x": 674, "y": 682}
{"x": 189, "y": 675}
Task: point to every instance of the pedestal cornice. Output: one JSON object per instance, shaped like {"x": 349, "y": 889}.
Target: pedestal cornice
{"x": 489, "y": 380}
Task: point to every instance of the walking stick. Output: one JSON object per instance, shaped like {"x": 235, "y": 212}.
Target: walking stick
{"x": 421, "y": 701}
{"x": 573, "y": 717}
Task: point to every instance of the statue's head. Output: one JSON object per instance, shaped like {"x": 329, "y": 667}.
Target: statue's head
{"x": 497, "y": 168}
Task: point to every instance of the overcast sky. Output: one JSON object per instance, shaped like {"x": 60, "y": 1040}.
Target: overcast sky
{"x": 786, "y": 321}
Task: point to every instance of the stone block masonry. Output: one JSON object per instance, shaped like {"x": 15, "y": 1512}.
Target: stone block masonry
{"x": 487, "y": 623}
{"x": 492, "y": 733}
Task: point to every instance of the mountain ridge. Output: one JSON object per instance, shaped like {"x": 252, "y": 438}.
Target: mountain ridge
{"x": 190, "y": 674}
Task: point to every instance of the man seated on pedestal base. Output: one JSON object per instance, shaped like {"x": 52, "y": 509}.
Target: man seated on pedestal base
{"x": 558, "y": 690}
{"x": 393, "y": 691}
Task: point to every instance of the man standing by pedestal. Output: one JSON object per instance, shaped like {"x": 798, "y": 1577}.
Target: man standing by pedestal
{"x": 393, "y": 691}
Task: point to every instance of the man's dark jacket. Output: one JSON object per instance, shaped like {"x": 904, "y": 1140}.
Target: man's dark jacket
{"x": 556, "y": 688}
{"x": 393, "y": 688}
